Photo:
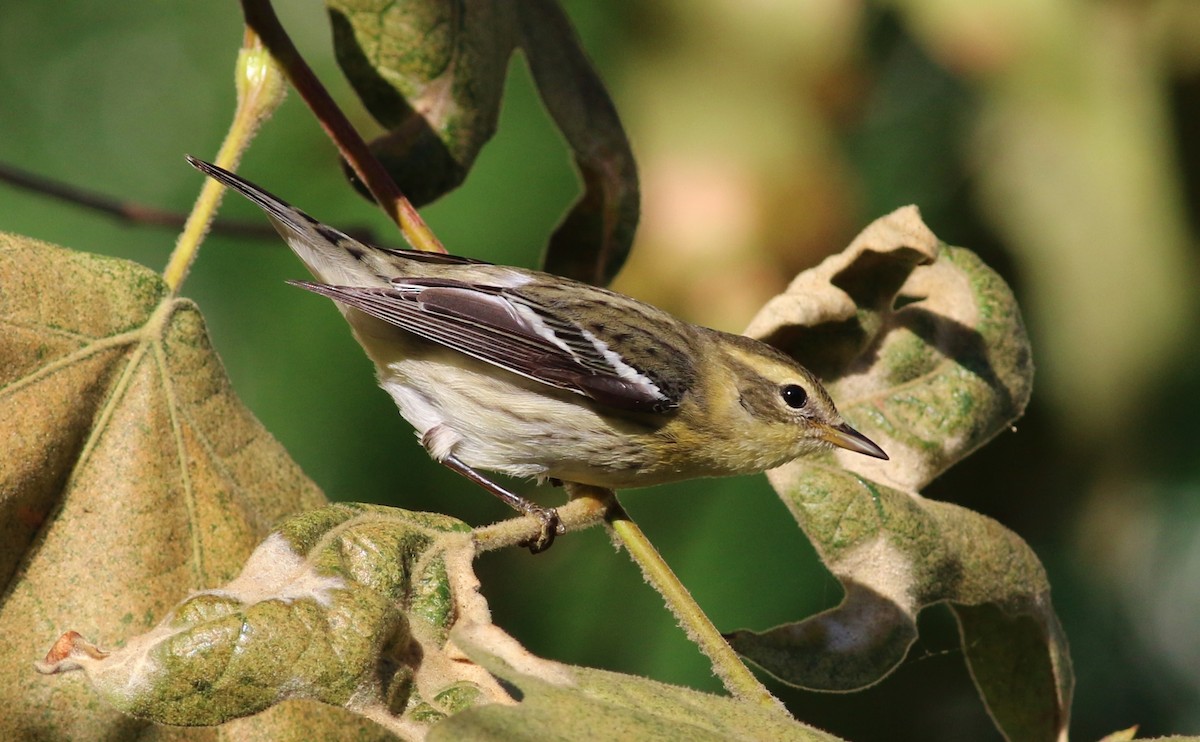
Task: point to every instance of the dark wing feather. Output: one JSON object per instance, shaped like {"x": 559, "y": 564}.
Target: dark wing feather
{"x": 426, "y": 256}
{"x": 484, "y": 323}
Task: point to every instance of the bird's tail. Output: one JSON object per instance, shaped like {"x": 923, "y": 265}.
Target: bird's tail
{"x": 332, "y": 256}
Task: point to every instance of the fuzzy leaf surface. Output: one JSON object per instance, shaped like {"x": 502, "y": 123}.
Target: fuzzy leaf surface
{"x": 349, "y": 605}
{"x": 924, "y": 350}
{"x": 564, "y": 702}
{"x": 130, "y": 474}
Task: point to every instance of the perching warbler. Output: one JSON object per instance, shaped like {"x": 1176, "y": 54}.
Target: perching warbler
{"x": 535, "y": 375}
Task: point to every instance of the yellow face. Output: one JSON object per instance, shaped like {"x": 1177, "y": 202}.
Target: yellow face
{"x": 781, "y": 408}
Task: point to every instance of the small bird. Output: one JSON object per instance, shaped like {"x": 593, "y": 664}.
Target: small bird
{"x": 537, "y": 376}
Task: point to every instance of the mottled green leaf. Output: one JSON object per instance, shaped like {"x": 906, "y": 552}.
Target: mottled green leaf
{"x": 923, "y": 347}
{"x": 563, "y": 702}
{"x": 130, "y": 474}
{"x": 432, "y": 73}
{"x": 350, "y": 605}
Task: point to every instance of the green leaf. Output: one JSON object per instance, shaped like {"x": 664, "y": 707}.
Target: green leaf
{"x": 432, "y": 73}
{"x": 563, "y": 702}
{"x": 130, "y": 475}
{"x": 349, "y": 605}
{"x": 923, "y": 347}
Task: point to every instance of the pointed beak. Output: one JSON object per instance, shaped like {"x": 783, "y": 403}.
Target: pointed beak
{"x": 844, "y": 436}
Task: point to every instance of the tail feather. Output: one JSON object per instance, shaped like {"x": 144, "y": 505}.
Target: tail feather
{"x": 276, "y": 208}
{"x": 330, "y": 255}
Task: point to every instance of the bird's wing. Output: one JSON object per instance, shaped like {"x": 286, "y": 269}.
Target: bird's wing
{"x": 512, "y": 331}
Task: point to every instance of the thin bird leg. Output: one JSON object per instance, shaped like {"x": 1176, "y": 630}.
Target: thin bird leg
{"x": 551, "y": 526}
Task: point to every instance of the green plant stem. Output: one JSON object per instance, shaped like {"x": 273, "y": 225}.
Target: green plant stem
{"x": 260, "y": 91}
{"x": 736, "y": 677}
{"x": 260, "y": 16}
{"x": 592, "y": 505}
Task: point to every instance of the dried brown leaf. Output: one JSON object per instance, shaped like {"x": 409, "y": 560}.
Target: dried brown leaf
{"x": 131, "y": 474}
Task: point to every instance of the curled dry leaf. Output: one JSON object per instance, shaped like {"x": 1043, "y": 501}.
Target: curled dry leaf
{"x": 349, "y": 605}
{"x": 130, "y": 474}
{"x": 923, "y": 347}
{"x": 432, "y": 73}
{"x": 594, "y": 239}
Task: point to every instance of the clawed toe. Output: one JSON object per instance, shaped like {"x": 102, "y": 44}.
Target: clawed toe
{"x": 551, "y": 527}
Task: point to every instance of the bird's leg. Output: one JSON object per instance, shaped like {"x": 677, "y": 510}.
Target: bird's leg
{"x": 551, "y": 526}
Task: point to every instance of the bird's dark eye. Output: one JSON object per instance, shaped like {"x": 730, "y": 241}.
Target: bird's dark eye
{"x": 794, "y": 395}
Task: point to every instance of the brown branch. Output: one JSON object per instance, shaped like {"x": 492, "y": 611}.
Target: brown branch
{"x": 137, "y": 214}
{"x": 125, "y": 211}
{"x": 260, "y": 16}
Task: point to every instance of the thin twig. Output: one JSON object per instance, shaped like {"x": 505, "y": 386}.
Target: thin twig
{"x": 261, "y": 17}
{"x": 129, "y": 212}
{"x": 125, "y": 211}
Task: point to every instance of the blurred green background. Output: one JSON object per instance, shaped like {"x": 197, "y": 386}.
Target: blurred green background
{"x": 1059, "y": 139}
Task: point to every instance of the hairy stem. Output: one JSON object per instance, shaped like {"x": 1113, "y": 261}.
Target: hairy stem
{"x": 260, "y": 91}
{"x": 737, "y": 678}
{"x": 586, "y": 509}
{"x": 592, "y": 505}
